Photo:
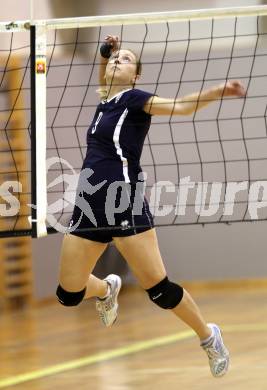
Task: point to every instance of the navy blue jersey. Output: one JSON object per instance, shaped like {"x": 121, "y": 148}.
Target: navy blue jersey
{"x": 116, "y": 136}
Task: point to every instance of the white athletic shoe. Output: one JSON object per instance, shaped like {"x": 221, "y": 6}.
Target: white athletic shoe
{"x": 108, "y": 307}
{"x": 217, "y": 353}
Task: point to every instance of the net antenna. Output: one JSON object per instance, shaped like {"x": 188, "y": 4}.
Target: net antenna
{"x": 181, "y": 51}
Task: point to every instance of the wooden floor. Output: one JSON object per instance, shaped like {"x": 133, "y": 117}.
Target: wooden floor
{"x": 53, "y": 347}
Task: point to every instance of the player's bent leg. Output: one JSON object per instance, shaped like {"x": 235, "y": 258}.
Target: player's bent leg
{"x": 78, "y": 258}
{"x": 143, "y": 256}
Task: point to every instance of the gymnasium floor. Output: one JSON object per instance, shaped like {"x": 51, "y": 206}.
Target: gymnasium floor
{"x": 53, "y": 347}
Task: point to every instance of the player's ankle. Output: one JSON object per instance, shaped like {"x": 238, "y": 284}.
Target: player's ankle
{"x": 206, "y": 336}
{"x": 106, "y": 291}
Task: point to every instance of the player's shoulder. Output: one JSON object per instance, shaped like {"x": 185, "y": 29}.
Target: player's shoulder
{"x": 135, "y": 92}
{"x": 130, "y": 93}
{"x": 135, "y": 95}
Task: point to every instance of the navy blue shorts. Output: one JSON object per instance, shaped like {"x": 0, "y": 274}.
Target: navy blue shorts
{"x": 118, "y": 211}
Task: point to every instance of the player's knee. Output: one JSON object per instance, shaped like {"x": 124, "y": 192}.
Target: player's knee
{"x": 68, "y": 298}
{"x": 166, "y": 294}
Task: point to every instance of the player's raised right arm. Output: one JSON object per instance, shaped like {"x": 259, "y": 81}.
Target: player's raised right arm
{"x": 187, "y": 105}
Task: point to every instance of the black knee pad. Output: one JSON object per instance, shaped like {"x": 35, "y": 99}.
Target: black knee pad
{"x": 68, "y": 298}
{"x": 166, "y": 294}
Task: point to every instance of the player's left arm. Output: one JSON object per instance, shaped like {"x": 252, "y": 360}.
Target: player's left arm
{"x": 110, "y": 44}
{"x": 191, "y": 103}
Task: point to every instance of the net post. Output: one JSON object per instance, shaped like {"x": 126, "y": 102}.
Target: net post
{"x": 38, "y": 129}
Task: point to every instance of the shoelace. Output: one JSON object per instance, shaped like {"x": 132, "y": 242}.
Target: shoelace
{"x": 212, "y": 353}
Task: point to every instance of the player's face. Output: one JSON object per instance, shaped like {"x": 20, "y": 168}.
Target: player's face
{"x": 121, "y": 67}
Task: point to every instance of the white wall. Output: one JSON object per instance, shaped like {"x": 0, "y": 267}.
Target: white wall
{"x": 43, "y": 9}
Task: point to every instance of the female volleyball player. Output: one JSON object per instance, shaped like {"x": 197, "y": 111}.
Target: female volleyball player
{"x": 115, "y": 140}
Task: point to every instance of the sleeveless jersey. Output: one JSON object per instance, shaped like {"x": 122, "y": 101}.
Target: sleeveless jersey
{"x": 116, "y": 137}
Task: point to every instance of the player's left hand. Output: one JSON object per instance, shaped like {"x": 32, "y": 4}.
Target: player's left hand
{"x": 114, "y": 41}
{"x": 233, "y": 88}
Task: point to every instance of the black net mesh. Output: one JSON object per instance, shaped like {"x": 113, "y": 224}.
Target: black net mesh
{"x": 216, "y": 151}
{"x": 15, "y": 147}
{"x": 221, "y": 147}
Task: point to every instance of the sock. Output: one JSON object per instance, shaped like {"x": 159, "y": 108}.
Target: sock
{"x": 107, "y": 294}
{"x": 208, "y": 340}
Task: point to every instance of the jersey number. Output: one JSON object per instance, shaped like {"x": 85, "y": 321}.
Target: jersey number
{"x": 97, "y": 121}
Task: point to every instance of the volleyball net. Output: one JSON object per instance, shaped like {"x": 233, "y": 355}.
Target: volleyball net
{"x": 209, "y": 167}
